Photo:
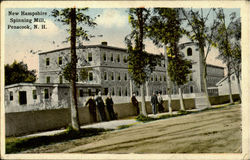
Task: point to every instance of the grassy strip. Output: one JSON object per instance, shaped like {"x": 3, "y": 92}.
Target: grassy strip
{"x": 145, "y": 119}
{"x": 14, "y": 145}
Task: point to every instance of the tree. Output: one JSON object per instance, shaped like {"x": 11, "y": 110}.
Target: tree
{"x": 18, "y": 72}
{"x": 141, "y": 64}
{"x": 223, "y": 37}
{"x": 165, "y": 30}
{"x": 202, "y": 34}
{"x": 235, "y": 26}
{"x": 73, "y": 17}
{"x": 178, "y": 70}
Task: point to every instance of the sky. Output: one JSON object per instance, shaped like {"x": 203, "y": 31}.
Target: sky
{"x": 112, "y": 24}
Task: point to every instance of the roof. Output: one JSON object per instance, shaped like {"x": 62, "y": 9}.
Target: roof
{"x": 49, "y": 85}
{"x": 87, "y": 46}
{"x": 214, "y": 66}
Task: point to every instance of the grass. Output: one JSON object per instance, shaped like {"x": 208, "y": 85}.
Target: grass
{"x": 14, "y": 145}
{"x": 146, "y": 119}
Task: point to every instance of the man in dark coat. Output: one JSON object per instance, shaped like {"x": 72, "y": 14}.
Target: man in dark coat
{"x": 101, "y": 107}
{"x": 109, "y": 104}
{"x": 154, "y": 102}
{"x": 92, "y": 108}
{"x": 135, "y": 103}
{"x": 160, "y": 102}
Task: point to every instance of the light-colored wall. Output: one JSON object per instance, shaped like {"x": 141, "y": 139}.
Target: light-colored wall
{"x": 22, "y": 123}
{"x": 224, "y": 88}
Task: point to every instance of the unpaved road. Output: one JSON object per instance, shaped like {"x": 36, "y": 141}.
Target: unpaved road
{"x": 213, "y": 131}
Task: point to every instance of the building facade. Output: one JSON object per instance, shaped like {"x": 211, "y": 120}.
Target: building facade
{"x": 107, "y": 69}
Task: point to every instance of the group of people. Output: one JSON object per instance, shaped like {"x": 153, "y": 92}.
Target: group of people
{"x": 156, "y": 103}
{"x": 96, "y": 105}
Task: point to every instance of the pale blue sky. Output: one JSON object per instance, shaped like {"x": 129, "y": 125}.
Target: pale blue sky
{"x": 112, "y": 24}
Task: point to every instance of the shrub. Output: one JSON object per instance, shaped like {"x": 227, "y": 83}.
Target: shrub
{"x": 143, "y": 118}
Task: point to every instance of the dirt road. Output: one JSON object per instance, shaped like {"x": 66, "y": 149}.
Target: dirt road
{"x": 213, "y": 131}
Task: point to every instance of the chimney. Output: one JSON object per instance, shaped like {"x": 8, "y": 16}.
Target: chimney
{"x": 105, "y": 43}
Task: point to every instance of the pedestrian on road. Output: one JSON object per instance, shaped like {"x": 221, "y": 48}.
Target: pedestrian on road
{"x": 160, "y": 102}
{"x": 109, "y": 104}
{"x": 92, "y": 108}
{"x": 100, "y": 106}
{"x": 154, "y": 102}
{"x": 135, "y": 103}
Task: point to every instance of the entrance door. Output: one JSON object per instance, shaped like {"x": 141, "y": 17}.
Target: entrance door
{"x": 106, "y": 91}
{"x": 22, "y": 97}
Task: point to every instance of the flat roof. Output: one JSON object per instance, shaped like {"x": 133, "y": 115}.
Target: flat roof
{"x": 50, "y": 85}
{"x": 84, "y": 47}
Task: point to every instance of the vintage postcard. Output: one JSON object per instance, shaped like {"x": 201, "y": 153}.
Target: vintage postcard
{"x": 125, "y": 80}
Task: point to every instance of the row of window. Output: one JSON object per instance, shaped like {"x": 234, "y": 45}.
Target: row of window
{"x": 59, "y": 61}
{"x": 23, "y": 96}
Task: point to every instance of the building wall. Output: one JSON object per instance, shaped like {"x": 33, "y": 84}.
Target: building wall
{"x": 224, "y": 88}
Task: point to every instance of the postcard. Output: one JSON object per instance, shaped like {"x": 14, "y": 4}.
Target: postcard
{"x": 125, "y": 80}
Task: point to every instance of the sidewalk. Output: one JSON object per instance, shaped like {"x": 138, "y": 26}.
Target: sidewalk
{"x": 106, "y": 125}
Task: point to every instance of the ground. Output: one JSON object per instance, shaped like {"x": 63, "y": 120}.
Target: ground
{"x": 212, "y": 131}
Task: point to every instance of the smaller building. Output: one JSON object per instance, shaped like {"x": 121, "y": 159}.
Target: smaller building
{"x": 223, "y": 87}
{"x": 39, "y": 96}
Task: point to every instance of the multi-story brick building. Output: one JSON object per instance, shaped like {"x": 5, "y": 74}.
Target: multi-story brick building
{"x": 108, "y": 73}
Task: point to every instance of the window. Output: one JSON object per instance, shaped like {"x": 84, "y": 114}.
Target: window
{"x": 191, "y": 89}
{"x": 22, "y": 97}
{"x": 81, "y": 93}
{"x": 112, "y": 75}
{"x": 60, "y": 79}
{"x": 125, "y": 59}
{"x": 119, "y": 91}
{"x": 191, "y": 78}
{"x": 90, "y": 76}
{"x": 89, "y": 57}
{"x": 105, "y": 75}
{"x": 111, "y": 58}
{"x": 125, "y": 77}
{"x": 89, "y": 91}
{"x": 118, "y": 77}
{"x": 113, "y": 91}
{"x": 233, "y": 78}
{"x": 160, "y": 78}
{"x": 47, "y": 79}
{"x": 34, "y": 94}
{"x": 155, "y": 77}
{"x": 104, "y": 57}
{"x": 47, "y": 61}
{"x": 152, "y": 78}
{"x": 59, "y": 60}
{"x": 118, "y": 58}
{"x": 46, "y": 94}
{"x": 126, "y": 92}
{"x": 189, "y": 52}
{"x": 165, "y": 78}
{"x": 11, "y": 96}
{"x": 191, "y": 66}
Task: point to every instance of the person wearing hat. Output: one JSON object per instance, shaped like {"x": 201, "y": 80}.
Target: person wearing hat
{"x": 109, "y": 105}
{"x": 92, "y": 108}
{"x": 135, "y": 103}
{"x": 154, "y": 102}
{"x": 101, "y": 107}
{"x": 160, "y": 102}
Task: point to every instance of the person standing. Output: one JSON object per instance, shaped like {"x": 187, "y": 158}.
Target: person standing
{"x": 109, "y": 104}
{"x": 92, "y": 108}
{"x": 154, "y": 102}
{"x": 135, "y": 103}
{"x": 101, "y": 107}
{"x": 160, "y": 103}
